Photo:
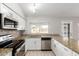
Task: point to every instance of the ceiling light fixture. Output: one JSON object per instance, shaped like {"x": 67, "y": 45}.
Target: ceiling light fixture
{"x": 34, "y": 8}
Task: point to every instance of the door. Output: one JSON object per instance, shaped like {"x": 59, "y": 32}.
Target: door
{"x": 67, "y": 29}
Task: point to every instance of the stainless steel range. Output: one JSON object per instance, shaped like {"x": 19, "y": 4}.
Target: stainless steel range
{"x": 6, "y": 41}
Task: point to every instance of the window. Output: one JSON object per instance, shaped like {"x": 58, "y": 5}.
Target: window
{"x": 44, "y": 29}
{"x": 39, "y": 28}
{"x": 34, "y": 29}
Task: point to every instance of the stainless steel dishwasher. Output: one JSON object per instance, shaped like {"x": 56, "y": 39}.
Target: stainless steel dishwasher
{"x": 46, "y": 43}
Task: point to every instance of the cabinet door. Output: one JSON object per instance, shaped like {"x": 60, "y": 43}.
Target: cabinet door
{"x": 75, "y": 54}
{"x": 30, "y": 44}
{"x": 33, "y": 44}
{"x": 0, "y": 7}
{"x": 37, "y": 44}
{"x": 57, "y": 49}
{"x": 61, "y": 50}
{"x": 53, "y": 46}
{"x": 65, "y": 52}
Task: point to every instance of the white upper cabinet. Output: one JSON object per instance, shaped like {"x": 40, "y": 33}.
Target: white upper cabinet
{"x": 21, "y": 24}
{"x": 0, "y": 7}
{"x": 7, "y": 11}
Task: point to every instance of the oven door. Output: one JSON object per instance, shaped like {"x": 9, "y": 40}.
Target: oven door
{"x": 20, "y": 51}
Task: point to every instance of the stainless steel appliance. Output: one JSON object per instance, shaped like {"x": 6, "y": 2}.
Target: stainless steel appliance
{"x": 17, "y": 45}
{"x": 7, "y": 23}
{"x": 7, "y": 42}
{"x": 45, "y": 43}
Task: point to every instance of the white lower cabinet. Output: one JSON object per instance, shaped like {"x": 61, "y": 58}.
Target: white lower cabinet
{"x": 60, "y": 50}
{"x": 33, "y": 43}
{"x": 53, "y": 46}
{"x": 75, "y": 54}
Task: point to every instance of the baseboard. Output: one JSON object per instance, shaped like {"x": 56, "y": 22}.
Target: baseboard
{"x": 33, "y": 50}
{"x": 41, "y": 50}
{"x": 46, "y": 50}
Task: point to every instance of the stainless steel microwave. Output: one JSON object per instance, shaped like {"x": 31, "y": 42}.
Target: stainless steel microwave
{"x": 7, "y": 23}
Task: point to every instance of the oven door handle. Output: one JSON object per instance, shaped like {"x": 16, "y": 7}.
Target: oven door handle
{"x": 20, "y": 47}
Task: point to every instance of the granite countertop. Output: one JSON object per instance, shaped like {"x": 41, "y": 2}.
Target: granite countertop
{"x": 35, "y": 36}
{"x": 20, "y": 38}
{"x": 70, "y": 43}
{"x": 5, "y": 51}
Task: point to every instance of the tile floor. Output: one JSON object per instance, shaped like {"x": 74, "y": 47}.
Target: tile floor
{"x": 39, "y": 53}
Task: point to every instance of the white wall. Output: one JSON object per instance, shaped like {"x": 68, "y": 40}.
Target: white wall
{"x": 54, "y": 24}
{"x": 75, "y": 21}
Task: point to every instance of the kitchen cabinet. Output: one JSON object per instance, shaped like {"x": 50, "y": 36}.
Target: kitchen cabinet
{"x": 61, "y": 50}
{"x": 7, "y": 20}
{"x": 33, "y": 43}
{"x": 0, "y": 7}
{"x": 7, "y": 23}
{"x": 53, "y": 46}
{"x": 9, "y": 13}
{"x": 56, "y": 48}
{"x": 21, "y": 24}
{"x": 75, "y": 54}
{"x": 6, "y": 11}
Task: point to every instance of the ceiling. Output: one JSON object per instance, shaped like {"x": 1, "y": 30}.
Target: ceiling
{"x": 51, "y": 9}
